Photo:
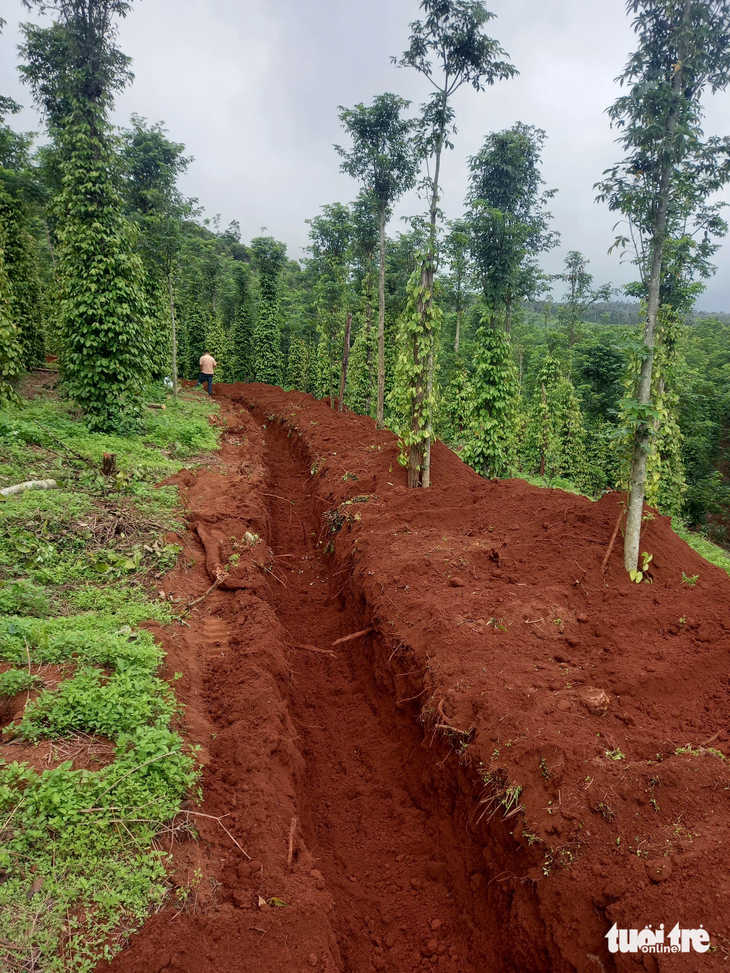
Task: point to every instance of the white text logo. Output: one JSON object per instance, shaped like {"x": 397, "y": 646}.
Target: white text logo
{"x": 650, "y": 940}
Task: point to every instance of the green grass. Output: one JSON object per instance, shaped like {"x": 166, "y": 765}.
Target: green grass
{"x": 706, "y": 549}
{"x": 80, "y": 568}
{"x": 59, "y": 538}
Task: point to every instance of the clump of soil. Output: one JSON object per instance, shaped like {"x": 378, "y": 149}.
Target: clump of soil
{"x": 513, "y": 752}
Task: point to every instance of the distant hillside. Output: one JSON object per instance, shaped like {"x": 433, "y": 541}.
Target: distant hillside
{"x": 622, "y": 312}
{"x": 605, "y": 312}
{"x": 720, "y": 316}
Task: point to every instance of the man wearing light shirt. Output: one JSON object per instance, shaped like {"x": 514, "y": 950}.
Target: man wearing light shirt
{"x": 208, "y": 365}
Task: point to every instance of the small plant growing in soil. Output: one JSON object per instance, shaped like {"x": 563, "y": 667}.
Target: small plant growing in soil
{"x": 615, "y": 754}
{"x": 548, "y": 862}
{"x": 16, "y": 681}
{"x": 641, "y": 574}
{"x": 691, "y": 581}
{"x": 567, "y": 857}
{"x": 700, "y": 751}
{"x": 511, "y": 800}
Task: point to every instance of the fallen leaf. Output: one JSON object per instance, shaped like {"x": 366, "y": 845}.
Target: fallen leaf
{"x": 35, "y": 887}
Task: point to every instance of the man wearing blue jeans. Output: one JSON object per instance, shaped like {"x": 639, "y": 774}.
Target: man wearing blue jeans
{"x": 208, "y": 365}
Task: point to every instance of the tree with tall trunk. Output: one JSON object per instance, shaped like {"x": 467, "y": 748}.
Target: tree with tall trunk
{"x": 383, "y": 157}
{"x": 507, "y": 219}
{"x": 452, "y": 34}
{"x": 669, "y": 172}
{"x": 581, "y": 294}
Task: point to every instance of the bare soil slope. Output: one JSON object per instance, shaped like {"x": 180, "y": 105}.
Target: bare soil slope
{"x": 486, "y": 779}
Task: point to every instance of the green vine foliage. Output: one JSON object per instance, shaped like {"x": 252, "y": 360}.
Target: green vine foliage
{"x": 541, "y": 441}
{"x": 555, "y": 434}
{"x": 21, "y": 265}
{"x": 11, "y": 351}
{"x": 101, "y": 304}
{"x": 322, "y": 375}
{"x": 298, "y": 365}
{"x": 268, "y": 362}
{"x": 221, "y": 348}
{"x": 455, "y": 406}
{"x": 330, "y": 339}
{"x": 159, "y": 323}
{"x": 332, "y": 302}
{"x": 413, "y": 408}
{"x": 602, "y": 460}
{"x": 490, "y": 446}
{"x": 242, "y": 330}
{"x": 196, "y": 338}
{"x": 267, "y": 356}
{"x": 666, "y": 485}
{"x": 361, "y": 395}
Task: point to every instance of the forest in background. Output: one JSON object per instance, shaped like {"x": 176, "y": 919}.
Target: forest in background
{"x": 101, "y": 253}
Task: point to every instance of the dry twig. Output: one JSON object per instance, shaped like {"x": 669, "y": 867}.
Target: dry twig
{"x": 274, "y": 495}
{"x": 613, "y": 540}
{"x": 313, "y": 648}
{"x": 212, "y": 817}
{"x": 216, "y": 584}
{"x": 351, "y": 638}
{"x": 292, "y": 833}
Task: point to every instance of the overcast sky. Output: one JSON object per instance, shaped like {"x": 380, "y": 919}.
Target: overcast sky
{"x": 252, "y": 88}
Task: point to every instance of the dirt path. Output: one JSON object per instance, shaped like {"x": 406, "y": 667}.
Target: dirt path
{"x": 374, "y": 846}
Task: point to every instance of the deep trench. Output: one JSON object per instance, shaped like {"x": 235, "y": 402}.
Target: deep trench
{"x": 386, "y": 810}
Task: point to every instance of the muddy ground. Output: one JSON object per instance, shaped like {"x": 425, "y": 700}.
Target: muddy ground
{"x": 516, "y": 751}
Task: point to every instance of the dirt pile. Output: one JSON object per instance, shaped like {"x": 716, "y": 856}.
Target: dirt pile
{"x": 515, "y": 752}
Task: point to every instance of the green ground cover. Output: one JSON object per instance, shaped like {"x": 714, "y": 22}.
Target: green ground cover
{"x": 81, "y": 860}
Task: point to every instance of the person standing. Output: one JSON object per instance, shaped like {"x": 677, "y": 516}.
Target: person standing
{"x": 208, "y": 365}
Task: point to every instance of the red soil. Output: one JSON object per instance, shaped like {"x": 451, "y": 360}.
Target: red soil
{"x": 440, "y": 792}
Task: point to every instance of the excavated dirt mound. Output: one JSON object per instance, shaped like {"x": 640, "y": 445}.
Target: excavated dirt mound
{"x": 434, "y": 732}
